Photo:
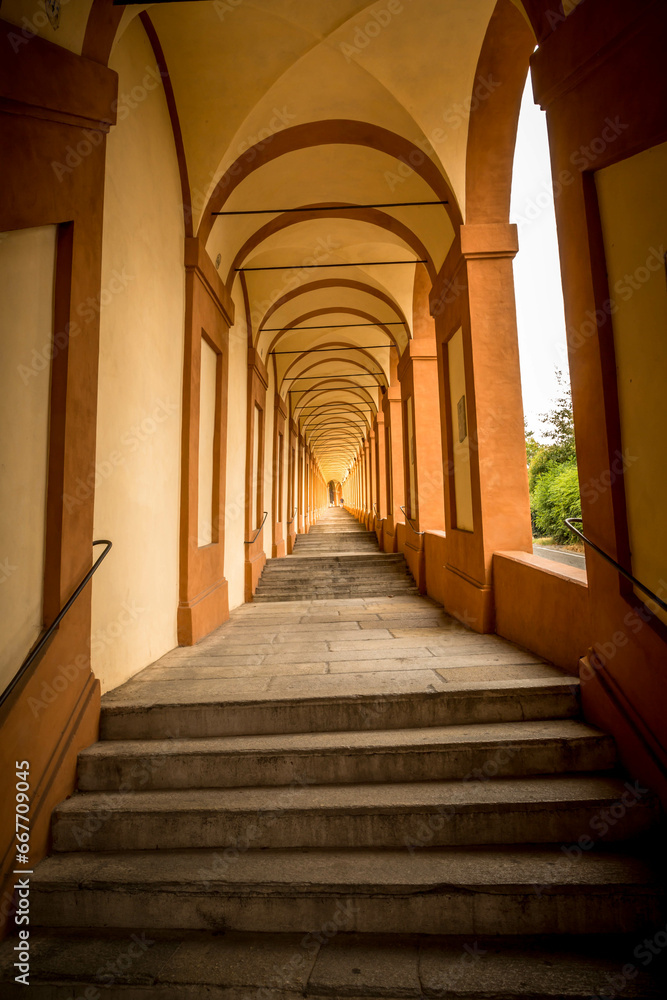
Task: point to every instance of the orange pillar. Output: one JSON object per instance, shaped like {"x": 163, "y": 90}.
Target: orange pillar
{"x": 393, "y": 419}
{"x": 498, "y": 515}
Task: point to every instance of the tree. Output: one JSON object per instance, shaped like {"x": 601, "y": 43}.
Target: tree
{"x": 532, "y": 445}
{"x": 556, "y": 496}
{"x": 560, "y": 423}
{"x": 552, "y": 470}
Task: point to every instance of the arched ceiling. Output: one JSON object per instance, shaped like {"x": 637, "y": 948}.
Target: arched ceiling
{"x": 320, "y": 106}
{"x": 325, "y": 107}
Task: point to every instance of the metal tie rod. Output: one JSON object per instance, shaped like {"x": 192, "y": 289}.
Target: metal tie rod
{"x": 310, "y": 267}
{"x": 336, "y": 326}
{"x": 340, "y": 388}
{"x": 331, "y": 208}
{"x": 328, "y": 375}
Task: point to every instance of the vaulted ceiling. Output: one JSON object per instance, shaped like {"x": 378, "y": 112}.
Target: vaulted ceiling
{"x": 307, "y": 105}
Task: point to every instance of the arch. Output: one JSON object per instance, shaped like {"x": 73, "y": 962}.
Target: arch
{"x": 494, "y": 115}
{"x": 365, "y": 353}
{"x": 321, "y": 311}
{"x": 308, "y": 213}
{"x": 103, "y": 21}
{"x": 335, "y": 131}
{"x": 323, "y": 361}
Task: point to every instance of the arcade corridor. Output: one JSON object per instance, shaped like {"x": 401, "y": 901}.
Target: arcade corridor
{"x": 299, "y": 710}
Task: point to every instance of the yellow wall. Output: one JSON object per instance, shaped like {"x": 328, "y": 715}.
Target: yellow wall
{"x": 267, "y": 535}
{"x": 412, "y": 504}
{"x": 27, "y": 259}
{"x": 633, "y": 208}
{"x": 207, "y": 393}
{"x": 135, "y": 597}
{"x": 30, "y": 19}
{"x": 236, "y": 455}
{"x": 461, "y": 450}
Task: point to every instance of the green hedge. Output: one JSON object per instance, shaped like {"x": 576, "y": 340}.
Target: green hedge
{"x": 554, "y": 496}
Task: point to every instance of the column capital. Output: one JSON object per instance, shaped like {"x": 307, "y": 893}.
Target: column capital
{"x": 417, "y": 350}
{"x": 489, "y": 239}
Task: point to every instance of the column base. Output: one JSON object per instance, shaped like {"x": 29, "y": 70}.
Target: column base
{"x": 253, "y": 570}
{"x": 413, "y": 550}
{"x": 469, "y": 600}
{"x": 200, "y": 615}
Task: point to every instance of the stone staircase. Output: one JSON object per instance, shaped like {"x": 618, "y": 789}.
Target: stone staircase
{"x": 347, "y": 798}
{"x": 338, "y": 558}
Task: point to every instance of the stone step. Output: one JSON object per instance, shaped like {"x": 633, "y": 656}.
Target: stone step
{"x": 319, "y": 565}
{"x": 333, "y": 584}
{"x": 530, "y": 810}
{"x": 347, "y": 559}
{"x": 337, "y": 577}
{"x": 327, "y": 703}
{"x": 341, "y": 538}
{"x": 339, "y": 542}
{"x": 163, "y": 965}
{"x": 333, "y": 587}
{"x": 515, "y": 890}
{"x": 344, "y": 544}
{"x": 338, "y": 581}
{"x": 446, "y": 753}
{"x": 340, "y": 551}
{"x": 307, "y": 591}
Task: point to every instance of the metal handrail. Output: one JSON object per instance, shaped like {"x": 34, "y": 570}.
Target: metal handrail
{"x": 293, "y": 516}
{"x": 628, "y": 576}
{"x": 408, "y": 521}
{"x": 39, "y": 646}
{"x": 258, "y": 530}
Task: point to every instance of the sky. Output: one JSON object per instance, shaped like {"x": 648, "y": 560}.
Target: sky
{"x": 537, "y": 282}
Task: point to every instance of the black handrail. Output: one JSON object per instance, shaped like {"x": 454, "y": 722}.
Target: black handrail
{"x": 39, "y": 646}
{"x": 628, "y": 576}
{"x": 408, "y": 520}
{"x": 258, "y": 530}
{"x": 293, "y": 516}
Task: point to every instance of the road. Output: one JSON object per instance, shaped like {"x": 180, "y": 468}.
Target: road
{"x": 559, "y": 555}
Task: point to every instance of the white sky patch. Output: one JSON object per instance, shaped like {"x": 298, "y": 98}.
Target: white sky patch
{"x": 537, "y": 278}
